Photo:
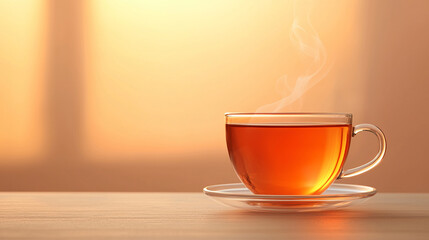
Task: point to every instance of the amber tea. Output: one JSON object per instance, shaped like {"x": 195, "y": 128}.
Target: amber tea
{"x": 288, "y": 159}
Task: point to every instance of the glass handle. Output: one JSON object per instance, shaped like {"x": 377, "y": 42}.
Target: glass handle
{"x": 374, "y": 162}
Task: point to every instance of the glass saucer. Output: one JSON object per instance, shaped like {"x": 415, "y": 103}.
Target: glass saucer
{"x": 336, "y": 196}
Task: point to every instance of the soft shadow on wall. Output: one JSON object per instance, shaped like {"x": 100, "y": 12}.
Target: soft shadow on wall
{"x": 130, "y": 96}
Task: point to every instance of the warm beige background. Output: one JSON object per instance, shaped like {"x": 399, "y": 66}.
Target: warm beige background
{"x": 130, "y": 95}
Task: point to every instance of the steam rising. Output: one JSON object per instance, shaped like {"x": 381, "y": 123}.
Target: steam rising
{"x": 303, "y": 35}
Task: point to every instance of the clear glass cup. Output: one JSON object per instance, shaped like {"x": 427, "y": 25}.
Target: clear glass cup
{"x": 294, "y": 153}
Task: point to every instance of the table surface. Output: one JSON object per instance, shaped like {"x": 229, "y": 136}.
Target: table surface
{"x": 195, "y": 216}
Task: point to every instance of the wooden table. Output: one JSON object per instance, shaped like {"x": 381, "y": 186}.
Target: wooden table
{"x": 195, "y": 216}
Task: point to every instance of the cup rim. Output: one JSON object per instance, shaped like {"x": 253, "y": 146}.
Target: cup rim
{"x": 326, "y": 114}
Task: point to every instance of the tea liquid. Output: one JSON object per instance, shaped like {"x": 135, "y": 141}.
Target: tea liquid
{"x": 288, "y": 159}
